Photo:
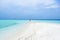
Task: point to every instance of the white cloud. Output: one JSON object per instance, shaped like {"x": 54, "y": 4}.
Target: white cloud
{"x": 28, "y": 3}
{"x": 46, "y": 2}
{"x": 52, "y": 6}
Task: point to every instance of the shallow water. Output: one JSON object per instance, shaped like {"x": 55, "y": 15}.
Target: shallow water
{"x": 8, "y": 23}
{"x": 48, "y": 21}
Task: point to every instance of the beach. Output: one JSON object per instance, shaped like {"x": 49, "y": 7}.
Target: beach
{"x": 32, "y": 31}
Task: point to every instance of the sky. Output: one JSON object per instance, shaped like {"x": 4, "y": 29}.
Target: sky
{"x": 29, "y": 9}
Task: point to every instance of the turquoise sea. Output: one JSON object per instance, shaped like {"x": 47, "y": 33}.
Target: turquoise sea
{"x": 8, "y": 23}
{"x": 49, "y": 21}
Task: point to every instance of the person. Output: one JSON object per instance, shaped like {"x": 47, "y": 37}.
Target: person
{"x": 30, "y": 20}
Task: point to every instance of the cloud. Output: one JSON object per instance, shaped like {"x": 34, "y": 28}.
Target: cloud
{"x": 52, "y": 6}
{"x": 49, "y": 3}
{"x": 29, "y": 3}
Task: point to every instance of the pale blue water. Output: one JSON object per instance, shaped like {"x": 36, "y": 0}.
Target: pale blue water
{"x": 8, "y": 23}
{"x": 49, "y": 21}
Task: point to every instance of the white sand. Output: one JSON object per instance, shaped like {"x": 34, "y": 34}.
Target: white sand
{"x": 33, "y": 31}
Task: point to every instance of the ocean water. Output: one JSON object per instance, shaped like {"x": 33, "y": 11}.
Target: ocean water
{"x": 8, "y": 23}
{"x": 48, "y": 21}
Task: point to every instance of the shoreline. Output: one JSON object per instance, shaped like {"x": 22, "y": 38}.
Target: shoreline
{"x": 28, "y": 29}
